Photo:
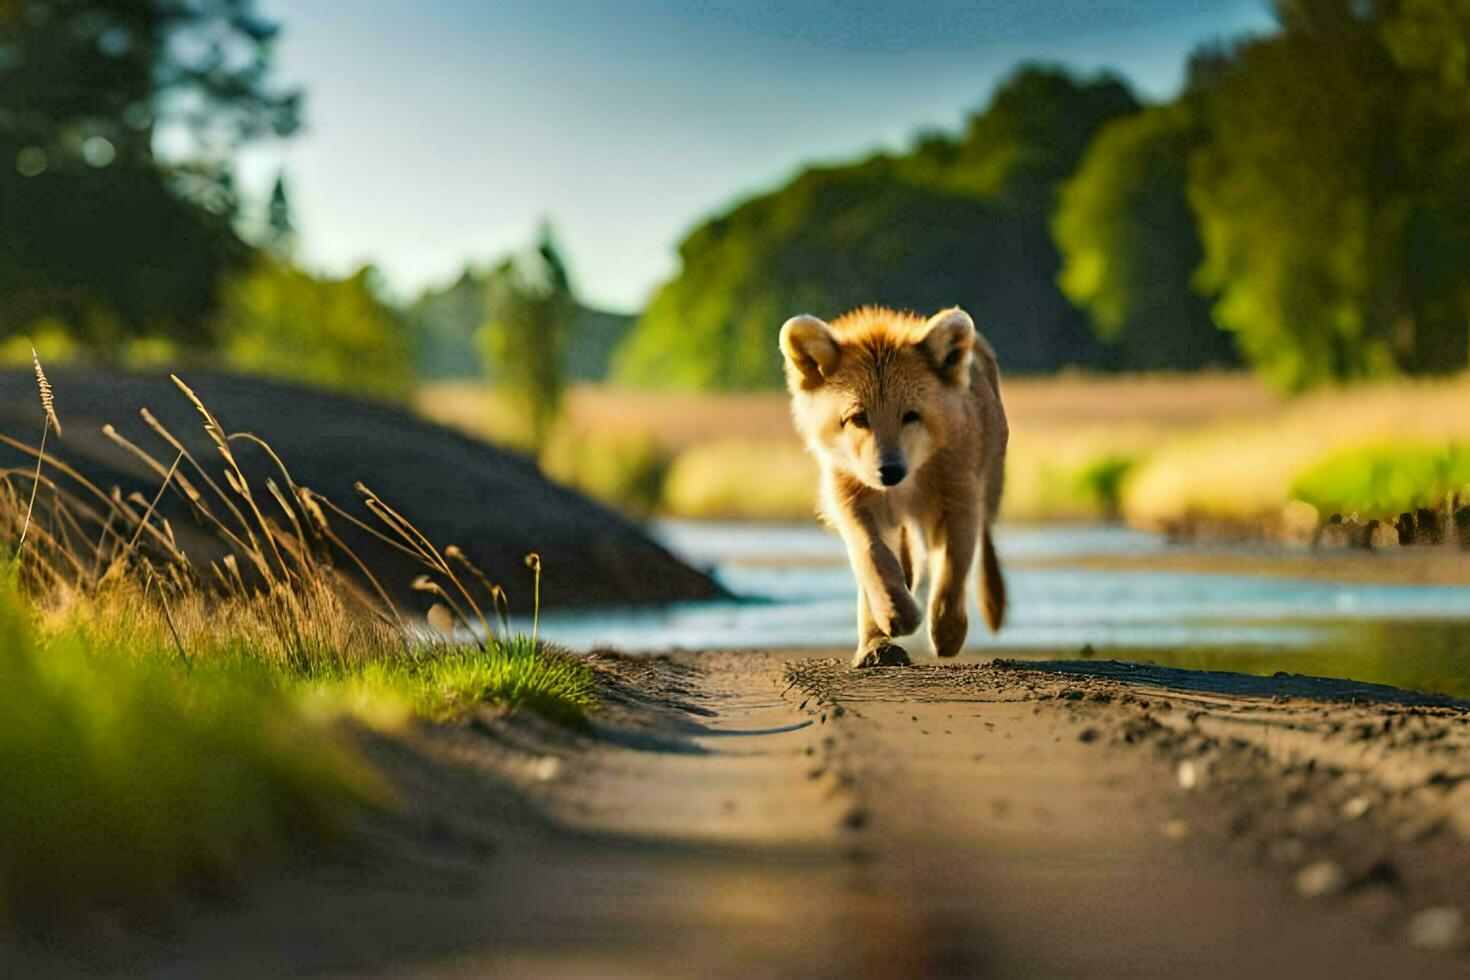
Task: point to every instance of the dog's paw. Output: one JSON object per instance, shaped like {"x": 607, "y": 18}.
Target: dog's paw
{"x": 879, "y": 652}
{"x": 948, "y": 627}
{"x": 896, "y": 613}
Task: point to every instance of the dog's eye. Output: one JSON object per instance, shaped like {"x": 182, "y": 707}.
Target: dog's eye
{"x": 858, "y": 419}
{"x": 910, "y": 417}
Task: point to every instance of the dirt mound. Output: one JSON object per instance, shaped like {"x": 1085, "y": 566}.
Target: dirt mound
{"x": 494, "y": 504}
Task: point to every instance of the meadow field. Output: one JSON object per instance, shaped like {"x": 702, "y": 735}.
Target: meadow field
{"x": 1161, "y": 451}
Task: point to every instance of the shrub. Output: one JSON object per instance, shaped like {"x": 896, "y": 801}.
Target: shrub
{"x": 1385, "y": 480}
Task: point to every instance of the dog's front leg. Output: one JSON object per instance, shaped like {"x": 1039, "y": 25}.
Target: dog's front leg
{"x": 954, "y": 552}
{"x": 886, "y": 608}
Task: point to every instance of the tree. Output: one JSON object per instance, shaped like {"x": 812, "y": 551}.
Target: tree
{"x": 1331, "y": 194}
{"x": 531, "y": 308}
{"x": 280, "y": 321}
{"x": 445, "y": 324}
{"x": 1033, "y": 133}
{"x": 97, "y": 230}
{"x": 962, "y": 220}
{"x": 1429, "y": 44}
{"x": 1130, "y": 246}
{"x": 280, "y": 228}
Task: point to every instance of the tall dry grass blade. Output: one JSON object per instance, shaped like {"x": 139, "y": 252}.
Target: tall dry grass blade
{"x": 61, "y": 467}
{"x": 48, "y": 409}
{"x": 533, "y": 562}
{"x": 257, "y": 440}
{"x": 162, "y": 431}
{"x": 502, "y": 609}
{"x": 168, "y": 618}
{"x": 35, "y": 486}
{"x": 383, "y": 514}
{"x": 189, "y": 491}
{"x": 425, "y": 584}
{"x": 455, "y": 553}
{"x": 238, "y": 482}
{"x": 232, "y": 565}
{"x": 69, "y": 501}
{"x": 121, "y": 560}
{"x": 435, "y": 560}
{"x": 400, "y": 524}
{"x": 309, "y": 504}
{"x": 48, "y": 400}
{"x": 99, "y": 550}
{"x": 365, "y": 527}
{"x": 290, "y": 511}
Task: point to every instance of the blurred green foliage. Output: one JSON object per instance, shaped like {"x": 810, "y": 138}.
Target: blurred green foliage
{"x": 961, "y": 220}
{"x": 96, "y": 230}
{"x": 531, "y": 309}
{"x": 1385, "y": 480}
{"x": 124, "y": 776}
{"x": 444, "y": 324}
{"x": 1130, "y": 246}
{"x": 280, "y": 321}
{"x": 1306, "y": 192}
{"x": 1331, "y": 192}
{"x": 626, "y": 469}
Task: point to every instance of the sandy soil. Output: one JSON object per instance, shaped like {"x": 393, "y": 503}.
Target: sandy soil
{"x": 775, "y": 814}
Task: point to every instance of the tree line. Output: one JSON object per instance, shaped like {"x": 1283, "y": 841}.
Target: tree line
{"x": 1303, "y": 206}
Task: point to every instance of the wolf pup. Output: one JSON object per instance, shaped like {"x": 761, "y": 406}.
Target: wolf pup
{"x": 904, "y": 415}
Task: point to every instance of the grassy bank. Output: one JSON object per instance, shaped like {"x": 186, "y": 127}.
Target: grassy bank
{"x": 163, "y": 724}
{"x": 1073, "y": 439}
{"x": 1158, "y": 451}
{"x": 1372, "y": 450}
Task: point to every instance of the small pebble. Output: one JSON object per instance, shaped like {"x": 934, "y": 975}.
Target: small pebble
{"x": 545, "y": 769}
{"x": 1321, "y": 880}
{"x": 1087, "y": 735}
{"x": 1436, "y": 928}
{"x": 1176, "y": 829}
{"x": 1189, "y": 775}
{"x": 1357, "y": 806}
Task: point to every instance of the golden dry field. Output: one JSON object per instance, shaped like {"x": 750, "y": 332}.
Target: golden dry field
{"x": 1156, "y": 450}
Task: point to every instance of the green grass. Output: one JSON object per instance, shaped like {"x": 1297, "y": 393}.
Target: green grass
{"x": 1385, "y": 480}
{"x": 164, "y": 725}
{"x": 128, "y": 774}
{"x": 1368, "y": 448}
{"x": 124, "y": 775}
{"x": 440, "y": 684}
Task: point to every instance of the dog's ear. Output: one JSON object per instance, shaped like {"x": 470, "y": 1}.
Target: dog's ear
{"x": 948, "y": 339}
{"x": 811, "y": 350}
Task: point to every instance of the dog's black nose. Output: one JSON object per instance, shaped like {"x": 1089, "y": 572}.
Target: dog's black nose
{"x": 892, "y": 474}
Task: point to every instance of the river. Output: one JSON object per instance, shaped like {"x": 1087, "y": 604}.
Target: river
{"x": 796, "y": 591}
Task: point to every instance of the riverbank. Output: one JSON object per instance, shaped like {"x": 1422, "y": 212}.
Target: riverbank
{"x": 1206, "y": 456}
{"x": 779, "y": 813}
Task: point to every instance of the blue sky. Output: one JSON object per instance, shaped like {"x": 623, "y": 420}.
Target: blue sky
{"x": 442, "y": 131}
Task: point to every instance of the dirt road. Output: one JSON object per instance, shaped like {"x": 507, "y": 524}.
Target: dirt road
{"x": 769, "y": 814}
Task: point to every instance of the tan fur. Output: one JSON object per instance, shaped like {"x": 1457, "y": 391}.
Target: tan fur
{"x": 879, "y": 388}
